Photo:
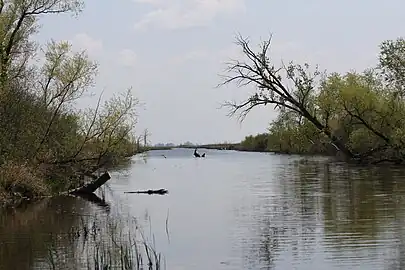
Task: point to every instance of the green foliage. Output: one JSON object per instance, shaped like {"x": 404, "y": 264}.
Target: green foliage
{"x": 354, "y": 109}
{"x": 255, "y": 143}
{"x": 47, "y": 145}
{"x": 357, "y": 114}
{"x": 288, "y": 136}
{"x": 392, "y": 64}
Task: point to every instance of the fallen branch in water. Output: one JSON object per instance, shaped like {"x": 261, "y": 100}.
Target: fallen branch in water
{"x": 150, "y": 191}
{"x": 90, "y": 187}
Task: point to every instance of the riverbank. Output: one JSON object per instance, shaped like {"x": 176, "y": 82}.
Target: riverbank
{"x": 48, "y": 145}
{"x": 20, "y": 183}
{"x": 28, "y": 186}
{"x": 23, "y": 183}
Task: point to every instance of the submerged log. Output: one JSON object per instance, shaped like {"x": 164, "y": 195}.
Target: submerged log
{"x": 93, "y": 198}
{"x": 92, "y": 186}
{"x": 150, "y": 191}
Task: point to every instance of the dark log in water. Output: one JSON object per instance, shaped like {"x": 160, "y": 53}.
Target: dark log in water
{"x": 92, "y": 186}
{"x": 150, "y": 191}
{"x": 93, "y": 198}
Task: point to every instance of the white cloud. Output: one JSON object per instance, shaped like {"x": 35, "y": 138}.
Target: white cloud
{"x": 193, "y": 55}
{"x": 127, "y": 58}
{"x": 278, "y": 50}
{"x": 148, "y": 1}
{"x": 175, "y": 14}
{"x": 83, "y": 41}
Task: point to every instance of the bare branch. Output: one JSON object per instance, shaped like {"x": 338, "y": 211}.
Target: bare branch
{"x": 263, "y": 76}
{"x": 89, "y": 129}
{"x": 259, "y": 72}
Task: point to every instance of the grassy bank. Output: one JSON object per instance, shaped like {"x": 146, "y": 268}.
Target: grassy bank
{"x": 46, "y": 144}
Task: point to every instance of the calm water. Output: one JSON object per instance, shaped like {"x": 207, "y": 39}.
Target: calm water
{"x": 234, "y": 210}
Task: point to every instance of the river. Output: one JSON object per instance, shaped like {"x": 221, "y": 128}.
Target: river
{"x": 231, "y": 210}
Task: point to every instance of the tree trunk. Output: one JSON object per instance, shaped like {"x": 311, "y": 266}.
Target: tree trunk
{"x": 92, "y": 186}
{"x": 334, "y": 140}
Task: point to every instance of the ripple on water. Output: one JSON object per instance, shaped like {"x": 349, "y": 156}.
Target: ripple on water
{"x": 236, "y": 210}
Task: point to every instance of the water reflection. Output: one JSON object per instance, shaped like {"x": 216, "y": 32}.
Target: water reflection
{"x": 287, "y": 225}
{"x": 329, "y": 215}
{"x": 361, "y": 212}
{"x": 73, "y": 233}
{"x": 30, "y": 233}
{"x": 234, "y": 211}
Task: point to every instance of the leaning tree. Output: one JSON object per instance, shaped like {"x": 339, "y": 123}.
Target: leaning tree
{"x": 369, "y": 101}
{"x": 289, "y": 88}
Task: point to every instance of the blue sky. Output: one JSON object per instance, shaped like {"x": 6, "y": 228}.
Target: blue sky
{"x": 171, "y": 52}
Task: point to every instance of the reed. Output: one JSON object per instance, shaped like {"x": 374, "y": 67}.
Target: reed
{"x": 107, "y": 243}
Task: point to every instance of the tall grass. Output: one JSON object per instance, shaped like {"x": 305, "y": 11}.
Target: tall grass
{"x": 106, "y": 242}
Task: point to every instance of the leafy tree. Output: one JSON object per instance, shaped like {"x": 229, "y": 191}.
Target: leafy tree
{"x": 46, "y": 144}
{"x": 359, "y": 114}
{"x": 259, "y": 71}
{"x": 255, "y": 143}
{"x": 18, "y": 22}
{"x": 392, "y": 64}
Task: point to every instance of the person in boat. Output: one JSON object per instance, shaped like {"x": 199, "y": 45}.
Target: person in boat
{"x": 197, "y": 154}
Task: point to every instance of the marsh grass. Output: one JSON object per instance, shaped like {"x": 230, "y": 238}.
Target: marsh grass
{"x": 20, "y": 180}
{"x": 105, "y": 243}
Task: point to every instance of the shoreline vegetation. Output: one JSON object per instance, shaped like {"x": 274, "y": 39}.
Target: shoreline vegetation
{"x": 356, "y": 116}
{"x": 247, "y": 145}
{"x": 47, "y": 144}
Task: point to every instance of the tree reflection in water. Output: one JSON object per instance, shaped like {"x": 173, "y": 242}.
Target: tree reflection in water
{"x": 70, "y": 233}
{"x": 284, "y": 222}
{"x": 333, "y": 212}
{"x": 27, "y": 233}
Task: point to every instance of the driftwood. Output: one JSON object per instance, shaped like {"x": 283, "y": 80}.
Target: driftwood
{"x": 150, "y": 191}
{"x": 91, "y": 187}
{"x": 93, "y": 198}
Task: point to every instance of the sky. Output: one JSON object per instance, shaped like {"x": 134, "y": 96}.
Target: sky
{"x": 171, "y": 52}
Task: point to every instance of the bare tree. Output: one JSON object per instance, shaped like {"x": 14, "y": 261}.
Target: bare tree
{"x": 257, "y": 70}
{"x": 145, "y": 136}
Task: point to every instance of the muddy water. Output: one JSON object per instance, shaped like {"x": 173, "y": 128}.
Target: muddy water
{"x": 231, "y": 210}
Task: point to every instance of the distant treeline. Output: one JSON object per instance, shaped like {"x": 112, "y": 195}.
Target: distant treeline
{"x": 273, "y": 142}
